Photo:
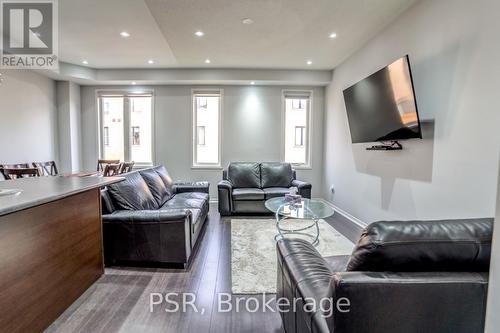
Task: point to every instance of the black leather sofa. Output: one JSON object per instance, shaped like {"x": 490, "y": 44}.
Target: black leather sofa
{"x": 247, "y": 185}
{"x": 148, "y": 220}
{"x": 402, "y": 277}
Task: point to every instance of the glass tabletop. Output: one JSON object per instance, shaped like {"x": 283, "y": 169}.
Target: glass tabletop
{"x": 306, "y": 209}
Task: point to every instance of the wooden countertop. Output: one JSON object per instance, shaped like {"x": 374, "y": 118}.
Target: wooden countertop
{"x": 40, "y": 190}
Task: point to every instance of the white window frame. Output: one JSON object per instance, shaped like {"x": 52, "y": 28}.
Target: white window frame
{"x": 100, "y": 123}
{"x": 309, "y": 128}
{"x": 301, "y": 129}
{"x": 133, "y": 138}
{"x": 105, "y": 136}
{"x": 194, "y": 127}
{"x": 200, "y": 142}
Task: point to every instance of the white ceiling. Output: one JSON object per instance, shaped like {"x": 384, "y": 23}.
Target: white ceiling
{"x": 284, "y": 35}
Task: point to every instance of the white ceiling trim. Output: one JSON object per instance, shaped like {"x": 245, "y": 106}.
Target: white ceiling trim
{"x": 179, "y": 76}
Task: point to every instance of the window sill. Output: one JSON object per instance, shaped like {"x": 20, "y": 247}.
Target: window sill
{"x": 206, "y": 167}
{"x": 139, "y": 166}
{"x": 301, "y": 167}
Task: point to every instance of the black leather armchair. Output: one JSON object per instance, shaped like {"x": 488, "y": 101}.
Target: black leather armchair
{"x": 404, "y": 276}
{"x": 247, "y": 185}
{"x": 150, "y": 220}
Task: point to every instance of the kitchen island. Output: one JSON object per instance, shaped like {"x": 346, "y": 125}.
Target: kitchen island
{"x": 50, "y": 247}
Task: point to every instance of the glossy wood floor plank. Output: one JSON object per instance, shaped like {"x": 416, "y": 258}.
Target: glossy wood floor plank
{"x": 119, "y": 301}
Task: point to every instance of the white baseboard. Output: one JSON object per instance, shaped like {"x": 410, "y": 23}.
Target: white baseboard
{"x": 345, "y": 214}
{"x": 342, "y": 212}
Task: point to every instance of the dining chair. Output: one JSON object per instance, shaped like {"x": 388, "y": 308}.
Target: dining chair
{"x": 14, "y": 166}
{"x": 101, "y": 164}
{"x": 126, "y": 167}
{"x": 17, "y": 173}
{"x": 111, "y": 170}
{"x": 46, "y": 168}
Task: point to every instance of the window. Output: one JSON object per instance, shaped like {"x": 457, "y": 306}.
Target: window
{"x": 201, "y": 135}
{"x": 207, "y": 128}
{"x": 299, "y": 136}
{"x": 106, "y": 136}
{"x": 136, "y": 136}
{"x": 298, "y": 104}
{"x": 297, "y": 133}
{"x": 126, "y": 126}
{"x": 106, "y": 108}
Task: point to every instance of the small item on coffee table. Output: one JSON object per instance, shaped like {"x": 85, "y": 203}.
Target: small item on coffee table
{"x": 292, "y": 196}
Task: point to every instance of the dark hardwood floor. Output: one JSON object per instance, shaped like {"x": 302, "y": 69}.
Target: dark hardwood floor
{"x": 120, "y": 300}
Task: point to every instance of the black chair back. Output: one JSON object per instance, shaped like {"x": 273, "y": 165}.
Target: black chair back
{"x": 126, "y": 167}
{"x": 111, "y": 170}
{"x": 46, "y": 168}
{"x": 20, "y": 173}
{"x": 101, "y": 164}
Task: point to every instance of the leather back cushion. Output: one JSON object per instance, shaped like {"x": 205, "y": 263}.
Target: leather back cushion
{"x": 132, "y": 193}
{"x": 276, "y": 174}
{"x": 244, "y": 174}
{"x": 446, "y": 245}
{"x": 156, "y": 185}
{"x": 167, "y": 180}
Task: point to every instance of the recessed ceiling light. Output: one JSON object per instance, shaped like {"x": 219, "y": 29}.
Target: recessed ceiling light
{"x": 333, "y": 35}
{"x": 247, "y": 21}
{"x": 151, "y": 61}
{"x": 124, "y": 34}
{"x": 309, "y": 62}
{"x": 252, "y": 83}
{"x": 134, "y": 83}
{"x": 199, "y": 33}
{"x": 85, "y": 62}
{"x": 207, "y": 61}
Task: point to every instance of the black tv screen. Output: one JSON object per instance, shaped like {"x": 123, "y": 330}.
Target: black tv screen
{"x": 382, "y": 107}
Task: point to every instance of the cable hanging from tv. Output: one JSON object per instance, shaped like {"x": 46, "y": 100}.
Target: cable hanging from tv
{"x": 393, "y": 145}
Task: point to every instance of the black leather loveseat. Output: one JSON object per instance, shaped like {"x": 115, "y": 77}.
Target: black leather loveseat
{"x": 148, "y": 220}
{"x": 245, "y": 186}
{"x": 402, "y": 277}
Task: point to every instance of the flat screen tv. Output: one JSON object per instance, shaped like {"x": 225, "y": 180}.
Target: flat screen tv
{"x": 382, "y": 107}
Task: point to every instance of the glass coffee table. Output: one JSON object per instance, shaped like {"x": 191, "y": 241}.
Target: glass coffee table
{"x": 299, "y": 219}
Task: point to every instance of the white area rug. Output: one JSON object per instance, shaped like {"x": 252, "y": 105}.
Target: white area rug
{"x": 253, "y": 253}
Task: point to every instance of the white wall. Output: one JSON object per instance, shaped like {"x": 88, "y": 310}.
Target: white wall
{"x": 454, "y": 53}
{"x": 251, "y": 129}
{"x": 492, "y": 318}
{"x": 69, "y": 125}
{"x": 28, "y": 117}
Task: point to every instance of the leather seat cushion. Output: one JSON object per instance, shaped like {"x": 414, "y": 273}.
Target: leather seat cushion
{"x": 187, "y": 200}
{"x": 167, "y": 180}
{"x": 156, "y": 185}
{"x": 276, "y": 174}
{"x": 240, "y": 194}
{"x": 244, "y": 174}
{"x": 274, "y": 192}
{"x": 446, "y": 245}
{"x": 133, "y": 193}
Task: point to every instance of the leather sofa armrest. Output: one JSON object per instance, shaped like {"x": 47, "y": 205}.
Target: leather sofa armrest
{"x": 413, "y": 301}
{"x": 147, "y": 216}
{"x": 304, "y": 188}
{"x": 225, "y": 190}
{"x": 183, "y": 187}
{"x": 304, "y": 277}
